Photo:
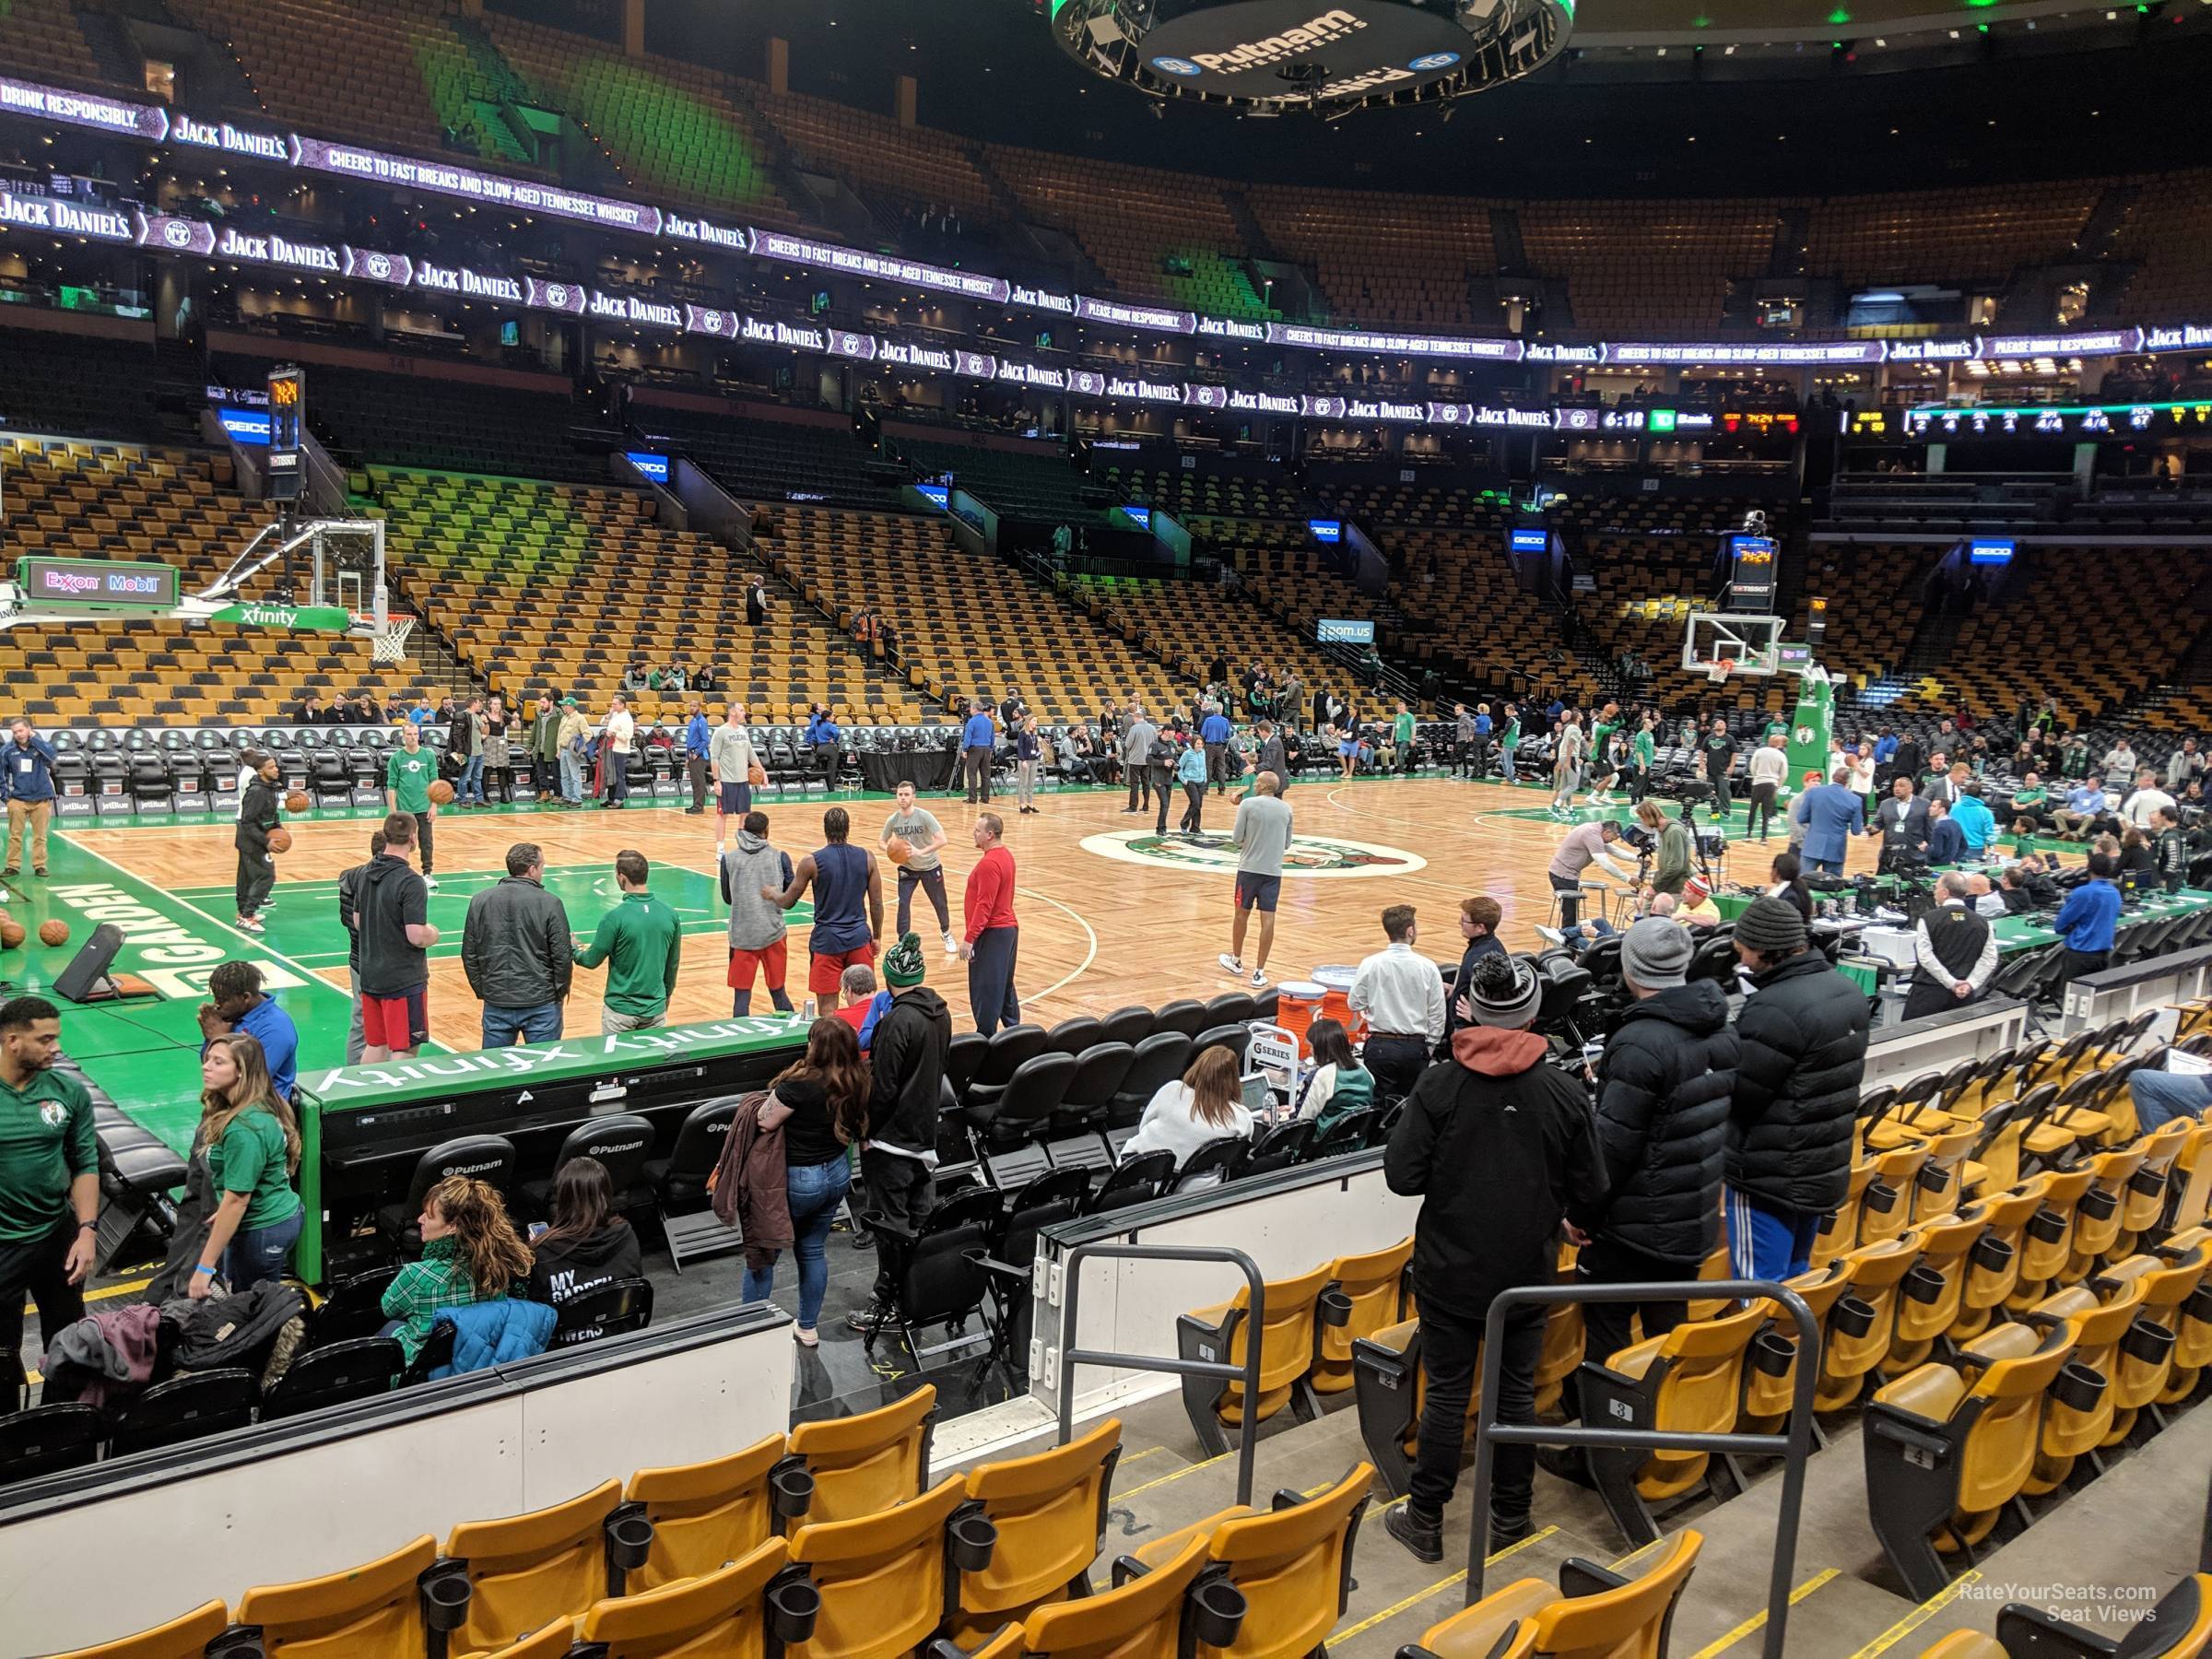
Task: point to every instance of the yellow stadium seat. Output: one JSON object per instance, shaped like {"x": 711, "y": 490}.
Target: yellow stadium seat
{"x": 706, "y": 1516}
{"x": 1050, "y": 1510}
{"x": 183, "y": 1637}
{"x": 864, "y": 1464}
{"x": 374, "y": 1611}
{"x": 525, "y": 1572}
{"x": 1593, "y": 1613}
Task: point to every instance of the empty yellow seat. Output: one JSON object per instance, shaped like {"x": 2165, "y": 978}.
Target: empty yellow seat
{"x": 882, "y": 1578}
{"x": 183, "y": 1638}
{"x": 1050, "y": 1510}
{"x": 866, "y": 1463}
{"x": 372, "y": 1611}
{"x": 706, "y": 1516}
{"x": 727, "y": 1613}
{"x": 1627, "y": 1618}
{"x": 525, "y": 1572}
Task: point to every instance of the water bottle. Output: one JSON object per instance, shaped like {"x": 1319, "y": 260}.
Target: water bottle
{"x": 806, "y": 1011}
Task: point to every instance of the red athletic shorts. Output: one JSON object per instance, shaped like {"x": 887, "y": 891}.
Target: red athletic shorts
{"x": 397, "y": 1022}
{"x": 823, "y": 972}
{"x": 768, "y": 962}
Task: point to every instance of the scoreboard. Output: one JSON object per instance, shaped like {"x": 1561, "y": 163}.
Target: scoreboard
{"x": 1751, "y": 572}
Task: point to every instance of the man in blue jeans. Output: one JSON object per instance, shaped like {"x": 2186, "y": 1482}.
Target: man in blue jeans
{"x": 2162, "y": 1096}
{"x": 517, "y": 950}
{"x": 979, "y": 747}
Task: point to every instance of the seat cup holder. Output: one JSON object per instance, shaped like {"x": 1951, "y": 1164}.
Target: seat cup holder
{"x": 2199, "y": 1305}
{"x": 974, "y": 1540}
{"x": 1335, "y": 1308}
{"x": 445, "y": 1597}
{"x": 2147, "y": 1183}
{"x": 1880, "y": 1197}
{"x": 2152, "y": 1344}
{"x": 2047, "y": 1227}
{"x": 629, "y": 1541}
{"x": 1217, "y": 1610}
{"x": 790, "y": 1490}
{"x": 1852, "y": 1316}
{"x": 1992, "y": 1254}
{"x": 1925, "y": 1283}
{"x": 1773, "y": 1354}
{"x": 792, "y": 1606}
{"x": 2079, "y": 1387}
{"x": 2099, "y": 1204}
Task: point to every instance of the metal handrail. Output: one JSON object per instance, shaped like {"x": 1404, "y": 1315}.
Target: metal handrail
{"x": 1248, "y": 1372}
{"x": 1793, "y": 1447}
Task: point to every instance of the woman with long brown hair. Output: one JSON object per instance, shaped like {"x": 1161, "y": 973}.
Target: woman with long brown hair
{"x": 470, "y": 1254}
{"x": 820, "y": 1103}
{"x": 251, "y": 1147}
{"x": 1204, "y": 1105}
{"x": 587, "y": 1245}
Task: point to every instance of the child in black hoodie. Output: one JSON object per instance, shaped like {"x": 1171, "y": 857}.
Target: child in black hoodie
{"x": 906, "y": 1059}
{"x": 588, "y": 1246}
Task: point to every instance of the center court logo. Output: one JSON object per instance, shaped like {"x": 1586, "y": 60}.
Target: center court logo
{"x": 1316, "y": 855}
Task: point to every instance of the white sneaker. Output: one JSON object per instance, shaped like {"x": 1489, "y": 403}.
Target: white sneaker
{"x": 1234, "y": 964}
{"x": 430, "y": 882}
{"x": 1552, "y": 934}
{"x": 1258, "y": 979}
{"x": 952, "y": 943}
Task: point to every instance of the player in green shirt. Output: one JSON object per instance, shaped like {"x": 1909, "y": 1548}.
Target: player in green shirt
{"x": 408, "y": 774}
{"x": 642, "y": 942}
{"x": 1642, "y": 753}
{"x": 1510, "y": 740}
{"x": 1602, "y": 764}
{"x": 1401, "y": 734}
{"x": 48, "y": 1180}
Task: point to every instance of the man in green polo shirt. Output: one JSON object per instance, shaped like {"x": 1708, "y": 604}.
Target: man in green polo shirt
{"x": 408, "y": 774}
{"x": 641, "y": 941}
{"x": 48, "y": 1180}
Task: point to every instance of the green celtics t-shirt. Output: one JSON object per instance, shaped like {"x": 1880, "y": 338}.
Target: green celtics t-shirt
{"x": 408, "y": 777}
{"x": 1402, "y": 728}
{"x": 1640, "y": 747}
{"x": 46, "y": 1141}
{"x": 251, "y": 1158}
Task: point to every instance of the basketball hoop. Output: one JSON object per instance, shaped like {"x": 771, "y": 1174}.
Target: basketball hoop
{"x": 1719, "y": 669}
{"x": 390, "y": 646}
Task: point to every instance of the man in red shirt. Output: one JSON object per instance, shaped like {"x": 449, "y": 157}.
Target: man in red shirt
{"x": 988, "y": 944}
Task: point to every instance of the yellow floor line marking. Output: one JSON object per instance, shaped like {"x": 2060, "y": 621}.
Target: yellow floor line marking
{"x": 1918, "y": 1616}
{"x": 1758, "y": 1620}
{"x": 1186, "y": 1469}
{"x": 1419, "y": 1596}
{"x": 130, "y": 1289}
{"x": 1138, "y": 1456}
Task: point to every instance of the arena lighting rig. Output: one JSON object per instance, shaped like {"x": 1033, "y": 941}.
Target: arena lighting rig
{"x": 1275, "y": 57}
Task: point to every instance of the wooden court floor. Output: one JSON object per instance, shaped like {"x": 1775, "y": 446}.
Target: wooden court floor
{"x": 1109, "y": 914}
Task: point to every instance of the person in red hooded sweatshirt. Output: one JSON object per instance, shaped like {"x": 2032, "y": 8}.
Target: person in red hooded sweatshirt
{"x": 1501, "y": 1149}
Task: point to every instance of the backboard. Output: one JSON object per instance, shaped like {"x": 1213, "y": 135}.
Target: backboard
{"x": 1753, "y": 644}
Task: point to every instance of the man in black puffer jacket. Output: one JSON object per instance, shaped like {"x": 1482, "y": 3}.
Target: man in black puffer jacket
{"x": 1664, "y": 1089}
{"x": 1801, "y": 1056}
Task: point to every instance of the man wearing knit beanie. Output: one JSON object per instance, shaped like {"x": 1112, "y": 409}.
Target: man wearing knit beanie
{"x": 1500, "y": 1148}
{"x": 1801, "y": 1058}
{"x": 906, "y": 1065}
{"x": 1663, "y": 1086}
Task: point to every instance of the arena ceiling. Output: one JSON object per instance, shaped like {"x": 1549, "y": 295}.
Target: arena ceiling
{"x": 1652, "y": 97}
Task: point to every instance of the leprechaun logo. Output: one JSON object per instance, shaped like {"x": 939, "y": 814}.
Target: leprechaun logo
{"x": 1318, "y": 856}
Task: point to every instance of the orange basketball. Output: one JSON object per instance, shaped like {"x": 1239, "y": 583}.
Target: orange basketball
{"x": 441, "y": 794}
{"x": 280, "y": 840}
{"x": 298, "y": 801}
{"x": 11, "y": 933}
{"x": 54, "y": 931}
{"x": 897, "y": 850}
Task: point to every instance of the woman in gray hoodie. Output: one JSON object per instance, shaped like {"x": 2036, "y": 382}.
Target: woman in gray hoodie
{"x": 756, "y": 922}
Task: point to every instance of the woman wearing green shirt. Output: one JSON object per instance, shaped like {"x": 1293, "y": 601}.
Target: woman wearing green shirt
{"x": 251, "y": 1148}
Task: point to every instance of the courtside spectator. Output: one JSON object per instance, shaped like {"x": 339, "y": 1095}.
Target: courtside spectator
{"x": 390, "y": 914}
{"x": 543, "y": 745}
{"x": 1764, "y": 770}
{"x": 1401, "y": 997}
{"x": 2173, "y": 850}
{"x": 758, "y": 932}
{"x": 642, "y": 943}
{"x": 1500, "y": 1150}
{"x": 1338, "y": 1085}
{"x": 575, "y": 739}
{"x": 585, "y": 1247}
{"x": 1831, "y": 815}
{"x": 820, "y": 1103}
{"x": 516, "y": 950}
{"x": 925, "y": 838}
{"x": 1479, "y": 915}
{"x": 844, "y": 878}
{"x": 1786, "y": 882}
{"x": 617, "y": 736}
{"x": 906, "y": 1066}
{"x": 978, "y": 748}
{"x": 2160, "y": 1097}
{"x": 1954, "y": 948}
{"x": 1946, "y": 842}
{"x": 1801, "y": 1054}
{"x": 1206, "y": 1104}
{"x": 408, "y": 774}
{"x": 860, "y": 1004}
{"x": 698, "y": 745}
{"x": 1261, "y": 833}
{"x": 1138, "y": 735}
{"x": 990, "y": 941}
{"x": 251, "y": 1143}
{"x": 1664, "y": 1083}
{"x": 2085, "y": 805}
{"x": 1028, "y": 749}
{"x": 49, "y": 1181}
{"x": 1215, "y": 733}
{"x": 2086, "y": 920}
{"x": 1190, "y": 771}
{"x": 470, "y": 1254}
{"x": 236, "y": 1003}
{"x": 2138, "y": 811}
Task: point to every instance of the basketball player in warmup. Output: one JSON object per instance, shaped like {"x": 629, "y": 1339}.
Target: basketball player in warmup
{"x": 918, "y": 828}
{"x": 841, "y": 876}
{"x": 408, "y": 774}
{"x": 730, "y": 753}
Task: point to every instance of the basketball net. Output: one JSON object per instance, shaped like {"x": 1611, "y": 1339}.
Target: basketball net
{"x": 1717, "y": 671}
{"x": 390, "y": 646}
